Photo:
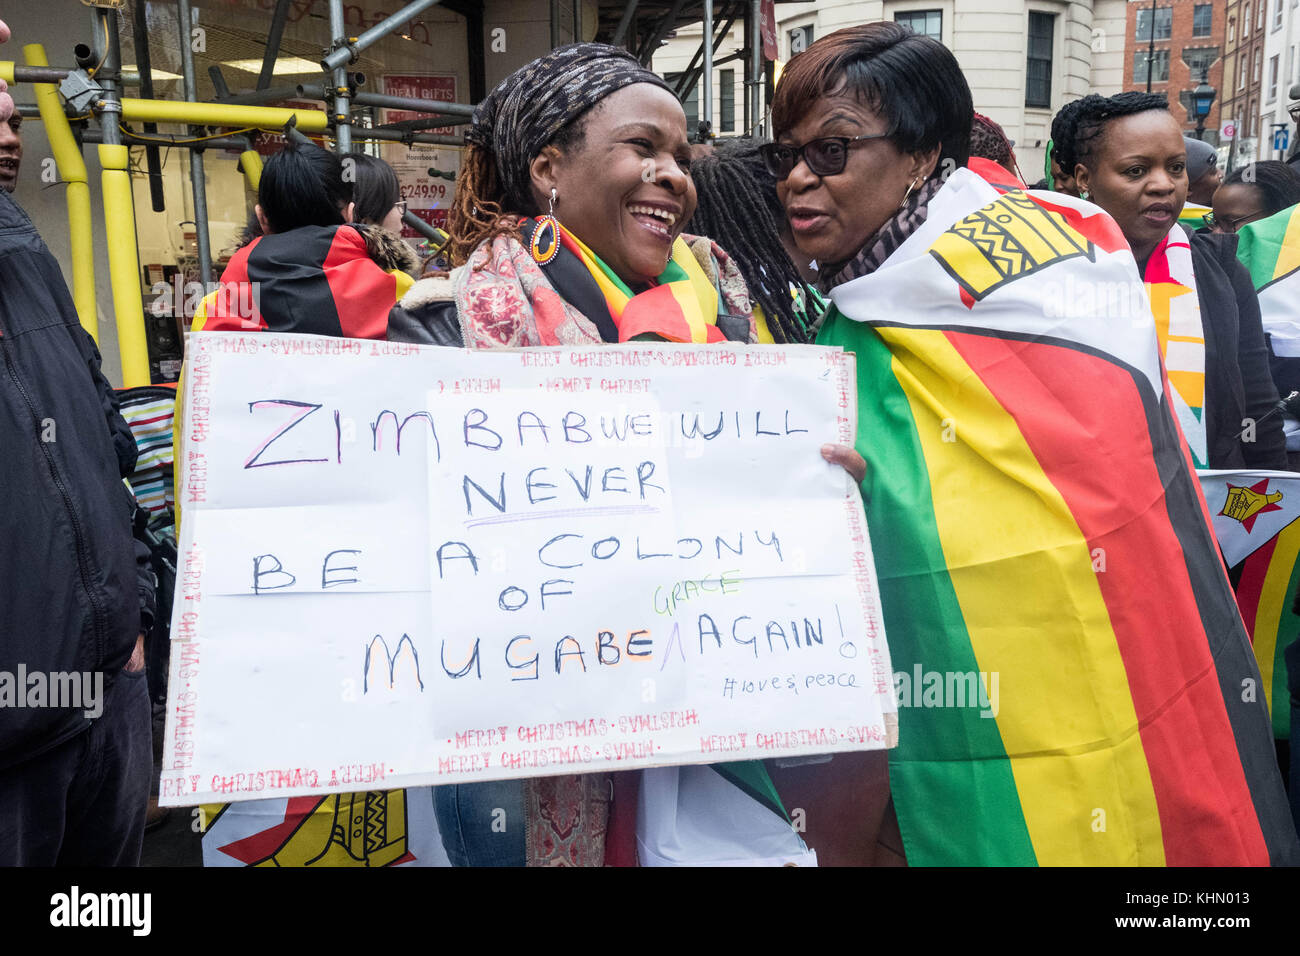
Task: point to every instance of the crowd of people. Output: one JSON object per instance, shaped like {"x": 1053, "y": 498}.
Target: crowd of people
{"x": 583, "y": 215}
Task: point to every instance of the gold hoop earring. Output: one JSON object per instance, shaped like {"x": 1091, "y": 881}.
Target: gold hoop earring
{"x": 545, "y": 245}
{"x": 910, "y": 187}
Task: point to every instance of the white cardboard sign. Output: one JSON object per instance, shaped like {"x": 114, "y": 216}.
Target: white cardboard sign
{"x": 405, "y": 565}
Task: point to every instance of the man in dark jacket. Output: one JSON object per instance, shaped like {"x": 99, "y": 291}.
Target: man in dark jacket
{"x": 76, "y": 594}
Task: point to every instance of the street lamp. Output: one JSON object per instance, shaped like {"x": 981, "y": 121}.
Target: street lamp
{"x": 1202, "y": 100}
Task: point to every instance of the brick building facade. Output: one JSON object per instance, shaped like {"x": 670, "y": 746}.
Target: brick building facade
{"x": 1243, "y": 63}
{"x": 1188, "y": 44}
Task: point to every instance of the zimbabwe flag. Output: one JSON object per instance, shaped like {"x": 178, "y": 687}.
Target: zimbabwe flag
{"x": 1270, "y": 249}
{"x": 1256, "y": 518}
{"x": 1038, "y": 523}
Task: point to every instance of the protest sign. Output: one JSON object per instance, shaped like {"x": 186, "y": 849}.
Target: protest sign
{"x": 404, "y": 565}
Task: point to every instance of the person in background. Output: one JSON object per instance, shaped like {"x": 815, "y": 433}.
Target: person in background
{"x": 1062, "y": 178}
{"x": 738, "y": 209}
{"x": 1253, "y": 192}
{"x": 376, "y": 193}
{"x": 11, "y": 151}
{"x": 76, "y": 594}
{"x": 1203, "y": 173}
{"x": 1250, "y": 195}
{"x": 992, "y": 154}
{"x": 1129, "y": 157}
{"x": 310, "y": 243}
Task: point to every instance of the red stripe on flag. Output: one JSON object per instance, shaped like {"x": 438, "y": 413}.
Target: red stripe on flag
{"x": 1114, "y": 492}
{"x": 363, "y": 292}
{"x": 1250, "y": 586}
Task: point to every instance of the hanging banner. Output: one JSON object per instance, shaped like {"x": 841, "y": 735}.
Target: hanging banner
{"x": 404, "y": 565}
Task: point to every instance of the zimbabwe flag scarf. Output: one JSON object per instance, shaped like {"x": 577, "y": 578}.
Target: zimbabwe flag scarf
{"x": 681, "y": 305}
{"x": 1036, "y": 519}
{"x": 1171, "y": 287}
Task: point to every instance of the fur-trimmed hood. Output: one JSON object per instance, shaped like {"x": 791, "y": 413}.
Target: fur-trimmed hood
{"x": 387, "y": 250}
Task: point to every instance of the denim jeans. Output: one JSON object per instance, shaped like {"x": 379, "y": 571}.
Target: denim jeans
{"x": 482, "y": 824}
{"x": 83, "y": 803}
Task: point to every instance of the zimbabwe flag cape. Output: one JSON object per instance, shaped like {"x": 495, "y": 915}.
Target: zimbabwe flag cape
{"x": 1270, "y": 249}
{"x": 1256, "y": 518}
{"x": 1039, "y": 525}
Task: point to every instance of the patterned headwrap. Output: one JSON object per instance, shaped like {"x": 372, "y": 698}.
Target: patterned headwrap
{"x": 531, "y": 105}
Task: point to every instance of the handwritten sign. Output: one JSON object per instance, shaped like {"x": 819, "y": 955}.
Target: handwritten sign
{"x": 405, "y": 565}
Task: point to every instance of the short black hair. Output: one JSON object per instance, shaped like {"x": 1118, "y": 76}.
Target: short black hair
{"x": 375, "y": 189}
{"x": 1277, "y": 182}
{"x": 303, "y": 185}
{"x": 912, "y": 81}
{"x": 1078, "y": 129}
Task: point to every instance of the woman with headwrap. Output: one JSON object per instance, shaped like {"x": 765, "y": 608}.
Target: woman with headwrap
{"x": 569, "y": 210}
{"x": 566, "y": 229}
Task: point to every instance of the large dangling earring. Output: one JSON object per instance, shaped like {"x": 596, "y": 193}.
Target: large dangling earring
{"x": 1083, "y": 194}
{"x": 546, "y": 235}
{"x": 910, "y": 187}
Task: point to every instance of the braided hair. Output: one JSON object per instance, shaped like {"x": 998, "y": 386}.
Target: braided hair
{"x": 738, "y": 208}
{"x": 989, "y": 140}
{"x": 1279, "y": 185}
{"x": 1078, "y": 128}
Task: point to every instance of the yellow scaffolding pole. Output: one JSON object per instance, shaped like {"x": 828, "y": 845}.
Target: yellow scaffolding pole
{"x": 72, "y": 170}
{"x": 221, "y": 114}
{"x": 123, "y": 264}
{"x": 250, "y": 160}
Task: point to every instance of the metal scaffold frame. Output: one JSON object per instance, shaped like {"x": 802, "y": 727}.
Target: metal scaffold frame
{"x": 95, "y": 88}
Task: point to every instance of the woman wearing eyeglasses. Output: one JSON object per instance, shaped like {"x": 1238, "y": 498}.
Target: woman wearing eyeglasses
{"x": 1253, "y": 192}
{"x": 1057, "y": 616}
{"x": 1130, "y": 159}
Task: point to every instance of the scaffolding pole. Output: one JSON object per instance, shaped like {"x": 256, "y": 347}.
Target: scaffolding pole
{"x": 339, "y": 79}
{"x": 346, "y": 50}
{"x": 755, "y": 67}
{"x": 706, "y": 91}
{"x": 198, "y": 178}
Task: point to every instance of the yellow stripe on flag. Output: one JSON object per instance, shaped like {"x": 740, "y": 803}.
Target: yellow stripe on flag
{"x": 1288, "y": 257}
{"x": 1013, "y": 550}
{"x": 1272, "y": 601}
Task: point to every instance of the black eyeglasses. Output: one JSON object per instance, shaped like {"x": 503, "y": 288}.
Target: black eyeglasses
{"x": 825, "y": 156}
{"x": 1228, "y": 225}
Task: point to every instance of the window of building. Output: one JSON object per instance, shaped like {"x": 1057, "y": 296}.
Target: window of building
{"x": 1263, "y": 8}
{"x": 1202, "y": 19}
{"x": 1259, "y": 65}
{"x": 1272, "y": 78}
{"x": 1245, "y": 20}
{"x": 800, "y": 39}
{"x": 1038, "y": 65}
{"x": 1159, "y": 67}
{"x": 727, "y": 101}
{"x": 1164, "y": 23}
{"x": 1232, "y": 29}
{"x": 691, "y": 104}
{"x": 1199, "y": 60}
{"x": 928, "y": 23}
{"x": 1277, "y": 14}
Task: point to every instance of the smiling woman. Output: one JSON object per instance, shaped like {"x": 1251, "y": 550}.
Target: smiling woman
{"x": 567, "y": 229}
